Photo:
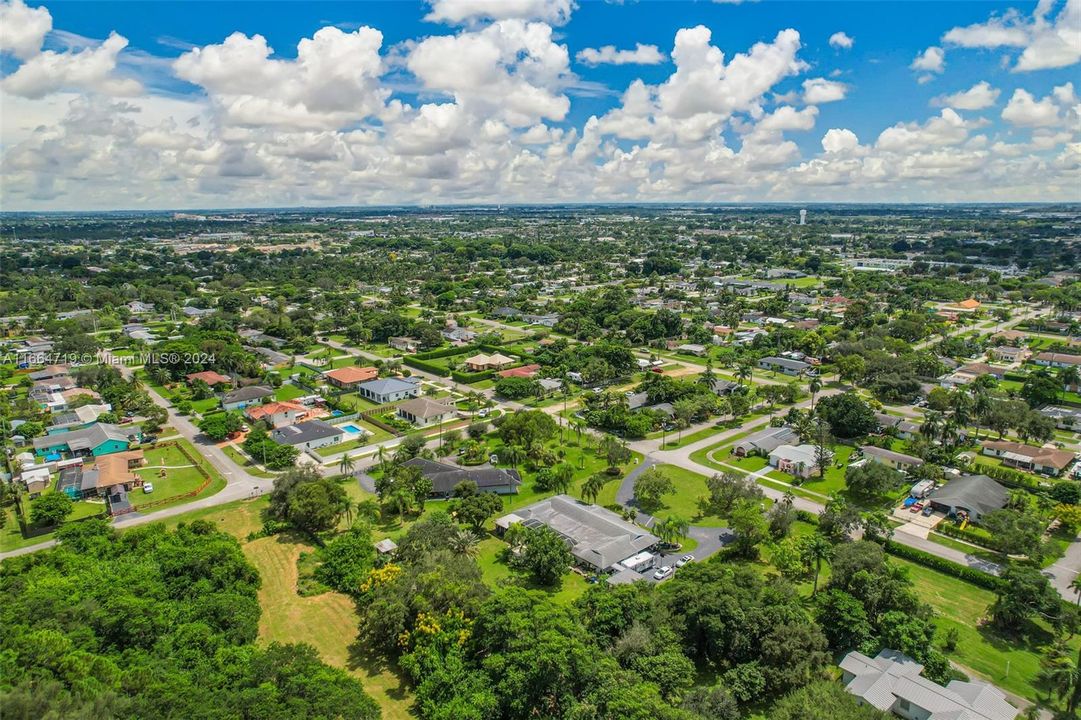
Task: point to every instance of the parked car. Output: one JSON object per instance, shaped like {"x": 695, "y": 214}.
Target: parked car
{"x": 148, "y": 487}
{"x": 663, "y": 572}
{"x": 916, "y": 507}
{"x": 927, "y": 511}
{"x": 684, "y": 560}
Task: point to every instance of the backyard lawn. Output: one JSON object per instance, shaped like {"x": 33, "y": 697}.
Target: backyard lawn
{"x": 963, "y": 606}
{"x": 289, "y": 391}
{"x": 181, "y": 476}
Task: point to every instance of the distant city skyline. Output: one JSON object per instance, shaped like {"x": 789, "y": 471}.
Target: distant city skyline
{"x": 236, "y": 105}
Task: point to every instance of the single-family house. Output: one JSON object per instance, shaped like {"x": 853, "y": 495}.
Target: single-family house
{"x": 597, "y": 538}
{"x": 895, "y": 460}
{"x": 976, "y": 495}
{"x": 348, "y": 377}
{"x": 1044, "y": 460}
{"x": 308, "y": 435}
{"x": 1065, "y": 418}
{"x": 385, "y": 390}
{"x": 80, "y": 417}
{"x": 49, "y": 372}
{"x": 481, "y": 362}
{"x": 724, "y": 387}
{"x": 550, "y": 385}
{"x": 1009, "y": 353}
{"x": 276, "y": 414}
{"x": 403, "y": 344}
{"x": 243, "y": 397}
{"x": 210, "y": 377}
{"x": 522, "y": 371}
{"x": 445, "y": 477}
{"x": 97, "y": 439}
{"x": 692, "y": 349}
{"x": 891, "y": 682}
{"x": 788, "y": 366}
{"x": 798, "y": 460}
{"x": 1057, "y": 360}
{"x": 36, "y": 480}
{"x": 459, "y": 335}
{"x": 897, "y": 426}
{"x": 976, "y": 369}
{"x": 423, "y": 412}
{"x": 765, "y": 441}
{"x": 136, "y": 307}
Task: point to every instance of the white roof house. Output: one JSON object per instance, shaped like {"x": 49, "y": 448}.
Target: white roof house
{"x": 891, "y": 681}
{"x": 595, "y": 536}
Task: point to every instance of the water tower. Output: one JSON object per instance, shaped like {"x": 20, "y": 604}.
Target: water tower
{"x": 802, "y": 217}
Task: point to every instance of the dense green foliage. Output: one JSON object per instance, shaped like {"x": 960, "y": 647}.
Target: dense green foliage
{"x": 153, "y": 624}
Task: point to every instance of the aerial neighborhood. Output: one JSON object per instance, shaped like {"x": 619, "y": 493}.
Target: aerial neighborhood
{"x": 733, "y": 462}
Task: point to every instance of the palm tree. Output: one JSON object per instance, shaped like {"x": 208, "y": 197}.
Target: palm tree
{"x": 678, "y": 526}
{"x": 346, "y": 465}
{"x": 1069, "y": 377}
{"x": 1076, "y": 587}
{"x": 381, "y": 453}
{"x": 814, "y": 385}
{"x": 744, "y": 373}
{"x": 817, "y": 549}
{"x": 593, "y": 485}
{"x": 513, "y": 455}
{"x": 401, "y": 499}
{"x": 369, "y": 509}
{"x": 464, "y": 542}
{"x": 562, "y": 474}
{"x": 708, "y": 376}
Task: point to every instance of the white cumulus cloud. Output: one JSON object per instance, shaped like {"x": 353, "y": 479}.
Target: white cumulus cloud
{"x": 92, "y": 69}
{"x": 841, "y": 40}
{"x": 817, "y": 91}
{"x": 1044, "y": 43}
{"x": 23, "y": 29}
{"x": 455, "y": 12}
{"x": 979, "y": 96}
{"x": 609, "y": 55}
{"x": 932, "y": 60}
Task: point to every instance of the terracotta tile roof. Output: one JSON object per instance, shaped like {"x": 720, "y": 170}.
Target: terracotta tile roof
{"x": 352, "y": 374}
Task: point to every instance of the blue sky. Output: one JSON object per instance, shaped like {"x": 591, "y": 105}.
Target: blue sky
{"x": 536, "y": 123}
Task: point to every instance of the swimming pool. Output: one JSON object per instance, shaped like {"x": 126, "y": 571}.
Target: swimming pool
{"x": 351, "y": 428}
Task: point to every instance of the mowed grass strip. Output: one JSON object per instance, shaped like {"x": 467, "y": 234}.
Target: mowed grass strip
{"x": 328, "y": 622}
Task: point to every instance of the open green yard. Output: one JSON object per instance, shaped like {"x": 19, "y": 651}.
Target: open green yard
{"x": 181, "y": 477}
{"x": 289, "y": 391}
{"x": 964, "y": 607}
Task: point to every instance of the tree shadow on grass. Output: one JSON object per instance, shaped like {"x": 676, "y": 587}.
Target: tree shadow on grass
{"x": 374, "y": 663}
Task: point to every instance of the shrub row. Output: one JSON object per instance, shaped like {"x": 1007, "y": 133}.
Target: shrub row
{"x": 1006, "y": 476}
{"x": 469, "y": 378}
{"x": 421, "y": 364}
{"x": 968, "y": 535}
{"x": 976, "y": 577}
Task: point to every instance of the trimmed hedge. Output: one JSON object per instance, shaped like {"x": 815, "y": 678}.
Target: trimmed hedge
{"x": 468, "y": 378}
{"x": 966, "y": 535}
{"x": 806, "y": 516}
{"x": 961, "y": 572}
{"x": 420, "y": 364}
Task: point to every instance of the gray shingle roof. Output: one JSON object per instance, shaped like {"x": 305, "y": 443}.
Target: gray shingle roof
{"x": 596, "y": 536}
{"x": 386, "y": 386}
{"x": 304, "y": 432}
{"x": 86, "y": 438}
{"x": 977, "y": 493}
{"x": 251, "y": 392}
{"x": 445, "y": 477}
